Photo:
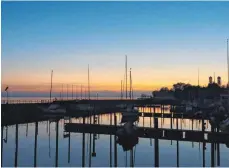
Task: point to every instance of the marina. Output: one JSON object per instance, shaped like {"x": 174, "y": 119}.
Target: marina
{"x": 76, "y": 142}
{"x": 115, "y": 84}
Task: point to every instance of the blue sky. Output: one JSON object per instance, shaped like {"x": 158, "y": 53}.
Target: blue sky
{"x": 165, "y": 42}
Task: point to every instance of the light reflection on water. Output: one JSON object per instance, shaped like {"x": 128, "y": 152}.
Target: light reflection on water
{"x": 190, "y": 153}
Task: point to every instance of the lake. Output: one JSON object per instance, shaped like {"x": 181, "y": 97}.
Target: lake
{"x": 97, "y": 150}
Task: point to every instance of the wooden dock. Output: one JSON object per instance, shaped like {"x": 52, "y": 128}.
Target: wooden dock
{"x": 146, "y": 132}
{"x": 173, "y": 115}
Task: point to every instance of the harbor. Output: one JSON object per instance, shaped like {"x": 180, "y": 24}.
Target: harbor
{"x": 115, "y": 84}
{"x": 90, "y": 138}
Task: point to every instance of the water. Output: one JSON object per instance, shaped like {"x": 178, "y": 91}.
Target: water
{"x": 71, "y": 154}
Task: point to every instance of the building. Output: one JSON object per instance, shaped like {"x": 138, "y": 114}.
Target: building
{"x": 163, "y": 95}
{"x": 210, "y": 80}
{"x": 219, "y": 81}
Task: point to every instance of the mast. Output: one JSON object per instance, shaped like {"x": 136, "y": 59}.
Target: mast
{"x": 62, "y": 91}
{"x": 72, "y": 91}
{"x": 130, "y": 84}
{"x": 121, "y": 89}
{"x": 81, "y": 92}
{"x": 76, "y": 91}
{"x": 51, "y": 86}
{"x": 227, "y": 63}
{"x": 88, "y": 83}
{"x": 126, "y": 76}
{"x": 132, "y": 91}
{"x": 198, "y": 77}
{"x": 67, "y": 91}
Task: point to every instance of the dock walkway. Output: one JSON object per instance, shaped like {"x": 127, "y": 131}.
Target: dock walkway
{"x": 147, "y": 132}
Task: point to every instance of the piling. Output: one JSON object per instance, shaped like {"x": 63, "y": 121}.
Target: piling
{"x": 218, "y": 151}
{"x": 27, "y": 125}
{"x": 35, "y": 144}
{"x": 16, "y": 142}
{"x": 110, "y": 142}
{"x": 57, "y": 138}
{"x": 2, "y": 144}
{"x": 90, "y": 151}
{"x": 156, "y": 147}
{"x": 69, "y": 144}
{"x": 83, "y": 146}
{"x": 115, "y": 143}
{"x": 212, "y": 151}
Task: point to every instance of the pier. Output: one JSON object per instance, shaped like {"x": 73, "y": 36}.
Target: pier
{"x": 146, "y": 132}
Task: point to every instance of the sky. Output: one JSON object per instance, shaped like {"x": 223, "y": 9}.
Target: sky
{"x": 165, "y": 42}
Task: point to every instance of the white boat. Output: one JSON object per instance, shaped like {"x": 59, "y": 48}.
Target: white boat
{"x": 130, "y": 111}
{"x": 188, "y": 108}
{"x": 128, "y": 129}
{"x": 224, "y": 125}
{"x": 53, "y": 109}
{"x": 84, "y": 107}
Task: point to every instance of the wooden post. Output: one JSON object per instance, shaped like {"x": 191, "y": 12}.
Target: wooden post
{"x": 156, "y": 146}
{"x": 49, "y": 142}
{"x": 57, "y": 138}
{"x": 177, "y": 148}
{"x": 115, "y": 143}
{"x": 83, "y": 147}
{"x": 69, "y": 145}
{"x": 212, "y": 151}
{"x": 93, "y": 146}
{"x": 204, "y": 144}
{"x": 35, "y": 144}
{"x": 16, "y": 150}
{"x": 2, "y": 145}
{"x": 143, "y": 117}
{"x": 110, "y": 142}
{"x": 90, "y": 150}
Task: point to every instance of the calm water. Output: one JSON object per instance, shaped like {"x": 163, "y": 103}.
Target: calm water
{"x": 70, "y": 150}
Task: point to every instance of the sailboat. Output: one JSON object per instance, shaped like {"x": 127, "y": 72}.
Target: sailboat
{"x": 129, "y": 110}
{"x": 128, "y": 134}
{"x": 220, "y": 116}
{"x": 54, "y": 109}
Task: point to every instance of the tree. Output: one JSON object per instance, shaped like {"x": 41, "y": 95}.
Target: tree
{"x": 164, "y": 89}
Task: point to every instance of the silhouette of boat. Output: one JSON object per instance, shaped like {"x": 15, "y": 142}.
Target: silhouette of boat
{"x": 127, "y": 136}
{"x": 53, "y": 109}
{"x": 130, "y": 111}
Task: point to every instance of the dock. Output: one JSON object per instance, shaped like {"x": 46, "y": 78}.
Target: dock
{"x": 146, "y": 132}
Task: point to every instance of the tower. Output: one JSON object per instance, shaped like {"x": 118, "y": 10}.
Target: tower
{"x": 210, "y": 80}
{"x": 219, "y": 81}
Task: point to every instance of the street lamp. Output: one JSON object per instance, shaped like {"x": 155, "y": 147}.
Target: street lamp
{"x": 6, "y": 90}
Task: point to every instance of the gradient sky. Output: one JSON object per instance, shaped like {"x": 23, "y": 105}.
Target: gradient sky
{"x": 165, "y": 43}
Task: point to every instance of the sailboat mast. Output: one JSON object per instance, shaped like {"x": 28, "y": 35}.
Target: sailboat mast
{"x": 198, "y": 77}
{"x": 132, "y": 91}
{"x": 88, "y": 83}
{"x": 121, "y": 89}
{"x": 126, "y": 76}
{"x": 227, "y": 63}
{"x": 51, "y": 86}
{"x": 67, "y": 91}
{"x": 81, "y": 93}
{"x": 72, "y": 91}
{"x": 130, "y": 83}
{"x": 62, "y": 91}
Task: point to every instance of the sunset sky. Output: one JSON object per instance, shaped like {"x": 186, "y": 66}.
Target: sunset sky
{"x": 166, "y": 42}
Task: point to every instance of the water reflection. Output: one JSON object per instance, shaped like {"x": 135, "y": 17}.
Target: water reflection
{"x": 23, "y": 146}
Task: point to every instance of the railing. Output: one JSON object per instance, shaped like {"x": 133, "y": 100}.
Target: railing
{"x": 25, "y": 101}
